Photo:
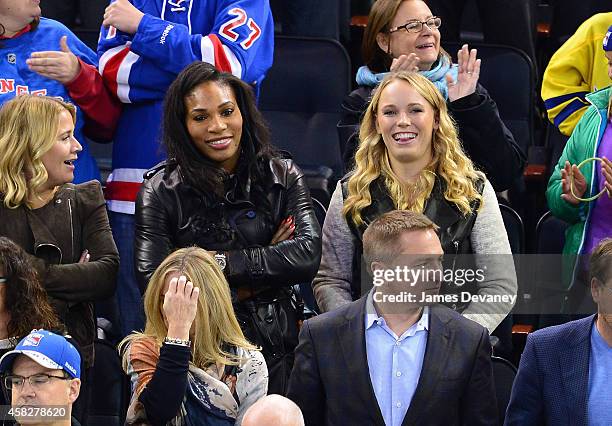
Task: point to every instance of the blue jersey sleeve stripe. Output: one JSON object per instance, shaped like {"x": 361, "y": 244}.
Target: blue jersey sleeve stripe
{"x": 558, "y": 100}
{"x": 571, "y": 108}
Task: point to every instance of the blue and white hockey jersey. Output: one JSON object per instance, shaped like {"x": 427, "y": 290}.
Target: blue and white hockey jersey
{"x": 236, "y": 36}
{"x": 16, "y": 78}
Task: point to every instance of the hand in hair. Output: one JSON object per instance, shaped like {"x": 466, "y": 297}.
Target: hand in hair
{"x": 580, "y": 184}
{"x": 406, "y": 63}
{"x": 123, "y": 15}
{"x": 467, "y": 77}
{"x": 180, "y": 304}
{"x": 284, "y": 231}
{"x": 62, "y": 66}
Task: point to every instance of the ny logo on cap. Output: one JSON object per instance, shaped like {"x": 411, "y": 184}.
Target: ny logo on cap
{"x": 32, "y": 339}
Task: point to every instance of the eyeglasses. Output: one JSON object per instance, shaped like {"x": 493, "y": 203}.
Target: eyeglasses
{"x": 416, "y": 26}
{"x": 36, "y": 380}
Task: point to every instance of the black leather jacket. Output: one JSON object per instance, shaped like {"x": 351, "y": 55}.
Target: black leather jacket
{"x": 171, "y": 214}
{"x": 454, "y": 231}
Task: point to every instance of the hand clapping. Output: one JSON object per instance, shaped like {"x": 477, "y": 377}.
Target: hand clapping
{"x": 467, "y": 77}
{"x": 580, "y": 185}
{"x": 62, "y": 66}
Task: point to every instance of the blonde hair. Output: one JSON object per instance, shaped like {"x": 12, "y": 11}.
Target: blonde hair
{"x": 28, "y": 129}
{"x": 449, "y": 162}
{"x": 215, "y": 323}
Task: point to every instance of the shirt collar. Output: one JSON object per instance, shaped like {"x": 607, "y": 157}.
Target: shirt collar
{"x": 372, "y": 317}
{"x": 26, "y": 29}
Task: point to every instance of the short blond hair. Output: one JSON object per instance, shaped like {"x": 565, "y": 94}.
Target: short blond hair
{"x": 600, "y": 262}
{"x": 28, "y": 129}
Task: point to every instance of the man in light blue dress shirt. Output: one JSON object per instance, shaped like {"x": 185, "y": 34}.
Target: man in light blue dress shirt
{"x": 392, "y": 357}
{"x": 565, "y": 371}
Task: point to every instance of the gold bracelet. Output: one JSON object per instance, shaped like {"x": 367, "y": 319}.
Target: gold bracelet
{"x": 177, "y": 342}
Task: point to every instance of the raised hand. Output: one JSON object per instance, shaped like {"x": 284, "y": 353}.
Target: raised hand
{"x": 284, "y": 232}
{"x": 580, "y": 184}
{"x": 122, "y": 15}
{"x": 405, "y": 63}
{"x": 180, "y": 305}
{"x": 62, "y": 66}
{"x": 467, "y": 76}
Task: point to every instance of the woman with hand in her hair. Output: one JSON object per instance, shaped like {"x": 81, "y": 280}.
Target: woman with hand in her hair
{"x": 410, "y": 157}
{"x": 224, "y": 189}
{"x": 63, "y": 227}
{"x": 403, "y": 35}
{"x": 24, "y": 305}
{"x": 192, "y": 365}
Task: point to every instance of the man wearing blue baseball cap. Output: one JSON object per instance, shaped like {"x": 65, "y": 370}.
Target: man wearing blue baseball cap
{"x": 43, "y": 375}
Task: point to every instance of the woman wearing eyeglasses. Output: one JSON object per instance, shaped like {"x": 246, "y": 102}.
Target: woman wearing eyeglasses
{"x": 403, "y": 35}
{"x": 582, "y": 196}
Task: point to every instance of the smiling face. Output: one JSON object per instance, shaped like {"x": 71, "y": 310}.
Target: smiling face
{"x": 59, "y": 160}
{"x": 425, "y": 44}
{"x": 214, "y": 123}
{"x": 16, "y": 14}
{"x": 406, "y": 122}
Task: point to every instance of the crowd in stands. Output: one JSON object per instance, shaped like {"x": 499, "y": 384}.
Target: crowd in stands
{"x": 194, "y": 254}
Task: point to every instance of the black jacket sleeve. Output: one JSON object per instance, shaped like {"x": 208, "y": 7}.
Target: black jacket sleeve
{"x": 478, "y": 404}
{"x": 152, "y": 243}
{"x": 165, "y": 391}
{"x": 487, "y": 140}
{"x": 291, "y": 261}
{"x": 305, "y": 386}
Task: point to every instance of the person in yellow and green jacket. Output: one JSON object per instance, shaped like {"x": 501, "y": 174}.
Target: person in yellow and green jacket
{"x": 590, "y": 220}
{"x": 576, "y": 69}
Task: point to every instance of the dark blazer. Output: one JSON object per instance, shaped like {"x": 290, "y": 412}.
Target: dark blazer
{"x": 331, "y": 383}
{"x": 551, "y": 386}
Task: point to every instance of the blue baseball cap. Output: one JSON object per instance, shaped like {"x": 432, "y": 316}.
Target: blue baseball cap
{"x": 47, "y": 349}
{"x": 607, "y": 41}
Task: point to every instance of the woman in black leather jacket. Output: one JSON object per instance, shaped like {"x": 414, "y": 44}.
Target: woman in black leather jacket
{"x": 225, "y": 189}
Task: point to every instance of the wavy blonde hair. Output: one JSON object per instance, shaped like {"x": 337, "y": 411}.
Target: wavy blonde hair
{"x": 28, "y": 129}
{"x": 449, "y": 162}
{"x": 215, "y": 323}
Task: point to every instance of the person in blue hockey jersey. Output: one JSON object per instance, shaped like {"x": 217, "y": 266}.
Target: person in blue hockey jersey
{"x": 26, "y": 37}
{"x": 143, "y": 46}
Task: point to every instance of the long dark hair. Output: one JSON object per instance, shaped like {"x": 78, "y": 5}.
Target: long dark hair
{"x": 197, "y": 169}
{"x": 25, "y": 298}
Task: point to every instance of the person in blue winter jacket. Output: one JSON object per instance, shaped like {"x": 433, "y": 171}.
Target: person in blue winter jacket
{"x": 23, "y": 36}
{"x": 143, "y": 46}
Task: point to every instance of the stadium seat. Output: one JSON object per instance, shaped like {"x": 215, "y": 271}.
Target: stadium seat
{"x": 302, "y": 104}
{"x": 503, "y": 376}
{"x": 110, "y": 387}
{"x": 516, "y": 95}
{"x": 514, "y": 228}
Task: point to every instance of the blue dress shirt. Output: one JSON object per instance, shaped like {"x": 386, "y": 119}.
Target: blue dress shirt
{"x": 394, "y": 362}
{"x": 600, "y": 377}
